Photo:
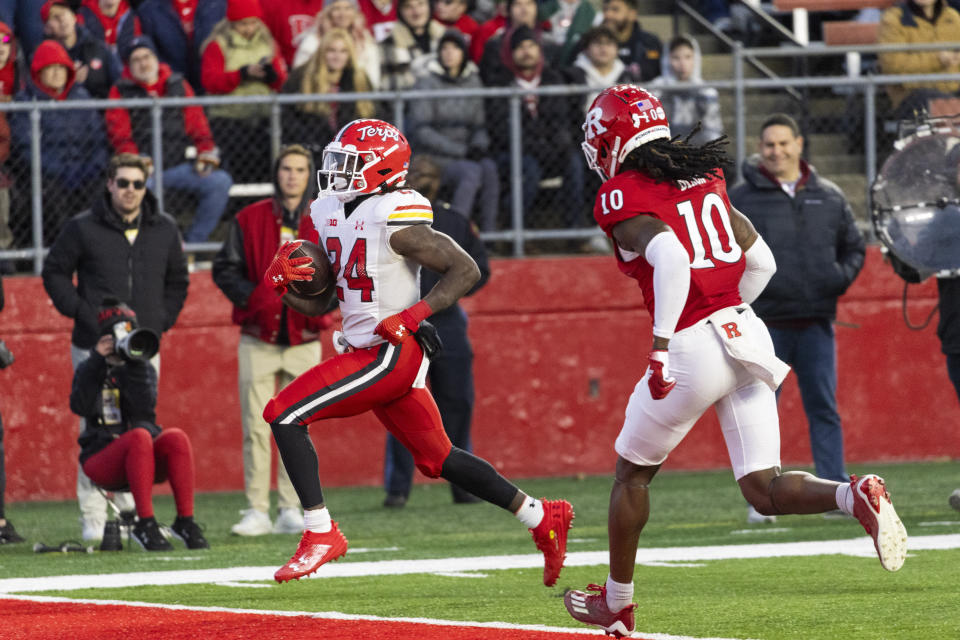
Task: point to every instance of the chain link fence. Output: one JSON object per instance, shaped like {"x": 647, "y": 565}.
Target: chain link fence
{"x": 535, "y": 192}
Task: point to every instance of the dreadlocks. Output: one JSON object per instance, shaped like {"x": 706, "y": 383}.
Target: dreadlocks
{"x": 677, "y": 159}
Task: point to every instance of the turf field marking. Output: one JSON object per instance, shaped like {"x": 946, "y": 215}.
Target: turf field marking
{"x": 939, "y": 523}
{"x": 460, "y": 574}
{"x": 738, "y": 532}
{"x": 252, "y": 585}
{"x": 858, "y": 547}
{"x": 336, "y": 615}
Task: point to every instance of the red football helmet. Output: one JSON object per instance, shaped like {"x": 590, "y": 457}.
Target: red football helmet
{"x": 365, "y": 156}
{"x": 621, "y": 119}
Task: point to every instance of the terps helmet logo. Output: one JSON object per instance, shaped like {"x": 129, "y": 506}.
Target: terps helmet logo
{"x": 384, "y": 133}
{"x": 593, "y": 127}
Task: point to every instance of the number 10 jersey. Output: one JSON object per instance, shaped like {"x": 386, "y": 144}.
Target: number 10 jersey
{"x": 373, "y": 281}
{"x": 698, "y": 213}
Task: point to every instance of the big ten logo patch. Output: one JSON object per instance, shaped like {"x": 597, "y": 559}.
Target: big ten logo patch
{"x": 731, "y": 328}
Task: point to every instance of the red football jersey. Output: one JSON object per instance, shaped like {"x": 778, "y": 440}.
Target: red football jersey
{"x": 698, "y": 213}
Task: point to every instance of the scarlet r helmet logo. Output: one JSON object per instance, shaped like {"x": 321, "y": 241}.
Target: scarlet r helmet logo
{"x": 592, "y": 127}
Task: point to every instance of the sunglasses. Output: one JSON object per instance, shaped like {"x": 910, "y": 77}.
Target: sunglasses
{"x": 123, "y": 183}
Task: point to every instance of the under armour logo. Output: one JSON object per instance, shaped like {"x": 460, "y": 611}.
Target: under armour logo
{"x": 358, "y": 225}
{"x": 731, "y": 329}
{"x": 278, "y": 279}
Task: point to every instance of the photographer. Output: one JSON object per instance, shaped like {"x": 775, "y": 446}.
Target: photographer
{"x": 7, "y": 533}
{"x": 123, "y": 247}
{"x": 115, "y": 391}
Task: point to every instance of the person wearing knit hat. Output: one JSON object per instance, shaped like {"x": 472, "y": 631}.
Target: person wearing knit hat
{"x": 178, "y": 28}
{"x": 238, "y": 10}
{"x": 241, "y": 59}
{"x": 130, "y": 131}
{"x": 547, "y": 122}
{"x": 140, "y": 42}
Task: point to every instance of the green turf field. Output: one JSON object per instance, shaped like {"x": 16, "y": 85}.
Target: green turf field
{"x": 828, "y": 596}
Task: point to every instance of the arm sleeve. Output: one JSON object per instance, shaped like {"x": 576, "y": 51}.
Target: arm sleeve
{"x": 760, "y": 268}
{"x": 671, "y": 281}
{"x": 230, "y": 267}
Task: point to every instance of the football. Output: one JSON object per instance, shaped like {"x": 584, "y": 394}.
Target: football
{"x": 321, "y": 270}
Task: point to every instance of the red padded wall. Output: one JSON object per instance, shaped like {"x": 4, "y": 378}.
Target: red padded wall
{"x": 559, "y": 343}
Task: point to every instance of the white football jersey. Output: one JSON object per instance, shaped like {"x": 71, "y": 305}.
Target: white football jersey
{"x": 373, "y": 281}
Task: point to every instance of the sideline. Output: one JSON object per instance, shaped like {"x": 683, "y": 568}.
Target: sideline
{"x": 859, "y": 547}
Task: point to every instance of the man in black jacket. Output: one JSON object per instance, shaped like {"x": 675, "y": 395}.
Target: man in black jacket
{"x": 451, "y": 370}
{"x": 808, "y": 224}
{"x": 97, "y": 66}
{"x": 545, "y": 121}
{"x": 124, "y": 248}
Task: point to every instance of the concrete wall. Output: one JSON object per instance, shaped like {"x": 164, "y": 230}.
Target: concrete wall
{"x": 559, "y": 342}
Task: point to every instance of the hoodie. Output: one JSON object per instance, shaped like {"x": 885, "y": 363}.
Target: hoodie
{"x": 73, "y": 146}
{"x": 8, "y": 72}
{"x": 686, "y": 107}
{"x": 104, "y": 27}
{"x": 253, "y": 238}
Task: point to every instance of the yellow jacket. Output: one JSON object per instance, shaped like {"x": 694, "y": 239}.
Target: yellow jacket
{"x": 901, "y": 26}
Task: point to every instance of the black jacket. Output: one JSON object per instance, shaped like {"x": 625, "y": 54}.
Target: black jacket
{"x": 103, "y": 66}
{"x": 949, "y": 327}
{"x": 813, "y": 236}
{"x": 135, "y": 386}
{"x": 547, "y": 135}
{"x": 150, "y": 275}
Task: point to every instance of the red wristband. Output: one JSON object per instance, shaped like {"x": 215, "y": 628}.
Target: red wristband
{"x": 417, "y": 313}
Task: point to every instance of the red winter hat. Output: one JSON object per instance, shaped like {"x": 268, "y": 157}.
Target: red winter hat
{"x": 49, "y": 4}
{"x": 240, "y": 9}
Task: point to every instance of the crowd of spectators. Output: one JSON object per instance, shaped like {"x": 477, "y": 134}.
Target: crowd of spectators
{"x": 56, "y": 50}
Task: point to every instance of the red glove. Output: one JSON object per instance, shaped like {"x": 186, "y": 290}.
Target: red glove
{"x": 285, "y": 269}
{"x": 395, "y": 329}
{"x": 660, "y": 381}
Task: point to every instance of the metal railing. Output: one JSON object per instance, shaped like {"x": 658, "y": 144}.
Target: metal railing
{"x": 517, "y": 232}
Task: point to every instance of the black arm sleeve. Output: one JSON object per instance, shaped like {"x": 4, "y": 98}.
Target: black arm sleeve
{"x": 230, "y": 267}
{"x": 58, "y": 269}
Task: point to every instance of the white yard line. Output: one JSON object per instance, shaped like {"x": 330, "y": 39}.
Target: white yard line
{"x": 860, "y": 547}
{"x": 336, "y": 615}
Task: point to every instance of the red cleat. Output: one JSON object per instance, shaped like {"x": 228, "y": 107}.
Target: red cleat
{"x": 591, "y": 608}
{"x": 874, "y": 510}
{"x": 315, "y": 549}
{"x": 550, "y": 537}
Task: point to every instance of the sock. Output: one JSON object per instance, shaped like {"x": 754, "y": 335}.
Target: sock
{"x": 619, "y": 595}
{"x": 530, "y": 512}
{"x": 845, "y": 498}
{"x": 317, "y": 520}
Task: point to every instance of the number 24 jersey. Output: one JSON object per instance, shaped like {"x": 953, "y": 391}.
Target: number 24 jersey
{"x": 698, "y": 213}
{"x": 373, "y": 281}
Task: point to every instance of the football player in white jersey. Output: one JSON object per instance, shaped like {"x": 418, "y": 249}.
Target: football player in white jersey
{"x": 377, "y": 235}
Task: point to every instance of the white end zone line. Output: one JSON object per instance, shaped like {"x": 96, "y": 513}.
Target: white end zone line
{"x": 336, "y": 615}
{"x": 859, "y": 547}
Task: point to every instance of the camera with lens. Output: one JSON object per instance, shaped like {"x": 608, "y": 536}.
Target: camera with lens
{"x": 131, "y": 342}
{"x": 6, "y": 356}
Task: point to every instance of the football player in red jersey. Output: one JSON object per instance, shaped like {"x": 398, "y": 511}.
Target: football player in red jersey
{"x": 377, "y": 234}
{"x": 699, "y": 263}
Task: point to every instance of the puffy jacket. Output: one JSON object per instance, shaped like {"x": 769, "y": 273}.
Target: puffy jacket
{"x": 813, "y": 236}
{"x": 130, "y": 130}
{"x": 447, "y": 128}
{"x": 73, "y": 148}
{"x": 150, "y": 275}
{"x": 238, "y": 268}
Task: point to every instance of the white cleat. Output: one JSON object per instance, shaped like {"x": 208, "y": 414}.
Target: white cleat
{"x": 873, "y": 508}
